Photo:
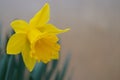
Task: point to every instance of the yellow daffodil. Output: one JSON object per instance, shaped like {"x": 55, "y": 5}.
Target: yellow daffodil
{"x": 37, "y": 40}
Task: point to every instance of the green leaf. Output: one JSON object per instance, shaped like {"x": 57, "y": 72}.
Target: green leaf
{"x": 19, "y": 69}
{"x": 65, "y": 67}
{"x": 57, "y": 75}
{"x": 52, "y": 69}
{"x": 10, "y": 68}
{"x": 39, "y": 72}
{"x": 3, "y": 65}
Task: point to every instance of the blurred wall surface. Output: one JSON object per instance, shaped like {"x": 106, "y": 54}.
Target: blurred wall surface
{"x": 94, "y": 38}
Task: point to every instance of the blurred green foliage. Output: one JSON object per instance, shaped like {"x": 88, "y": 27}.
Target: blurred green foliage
{"x": 13, "y": 68}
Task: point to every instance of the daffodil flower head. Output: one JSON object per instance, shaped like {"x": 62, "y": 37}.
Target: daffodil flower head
{"x": 37, "y": 40}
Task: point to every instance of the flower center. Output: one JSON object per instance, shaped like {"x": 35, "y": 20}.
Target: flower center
{"x": 44, "y": 48}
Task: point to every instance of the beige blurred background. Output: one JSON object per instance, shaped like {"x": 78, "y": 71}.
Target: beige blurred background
{"x": 94, "y": 38}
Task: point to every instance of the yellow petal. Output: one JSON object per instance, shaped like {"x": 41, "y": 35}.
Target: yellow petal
{"x": 34, "y": 35}
{"x": 20, "y": 26}
{"x": 42, "y": 16}
{"x": 52, "y": 29}
{"x": 16, "y": 43}
{"x": 28, "y": 60}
